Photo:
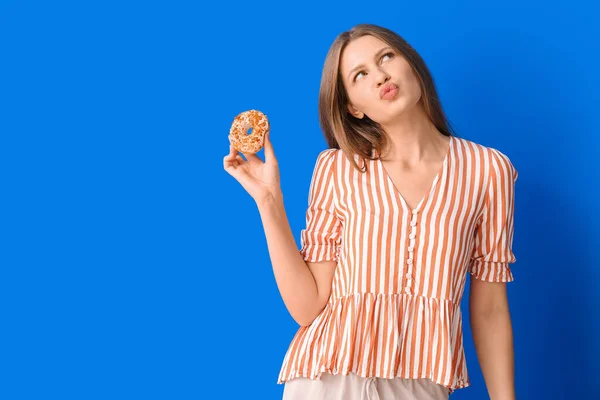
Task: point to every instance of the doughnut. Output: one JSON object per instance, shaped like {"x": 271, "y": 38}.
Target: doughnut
{"x": 238, "y": 134}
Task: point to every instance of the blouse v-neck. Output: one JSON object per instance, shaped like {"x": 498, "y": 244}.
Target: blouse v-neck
{"x": 432, "y": 186}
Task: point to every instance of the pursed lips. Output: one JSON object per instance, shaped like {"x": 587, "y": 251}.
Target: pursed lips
{"x": 387, "y": 88}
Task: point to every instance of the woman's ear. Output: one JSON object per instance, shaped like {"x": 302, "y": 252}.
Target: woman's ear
{"x": 355, "y": 112}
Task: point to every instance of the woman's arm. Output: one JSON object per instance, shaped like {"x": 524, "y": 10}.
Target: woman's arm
{"x": 493, "y": 338}
{"x": 304, "y": 286}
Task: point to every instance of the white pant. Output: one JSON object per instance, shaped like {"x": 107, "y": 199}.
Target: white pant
{"x": 354, "y": 387}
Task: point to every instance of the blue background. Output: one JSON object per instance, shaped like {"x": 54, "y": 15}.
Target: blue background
{"x": 134, "y": 267}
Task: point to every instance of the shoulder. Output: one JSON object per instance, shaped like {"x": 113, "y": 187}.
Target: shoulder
{"x": 327, "y": 158}
{"x": 487, "y": 153}
{"x": 325, "y": 164}
{"x": 492, "y": 159}
{"x": 328, "y": 153}
{"x": 501, "y": 165}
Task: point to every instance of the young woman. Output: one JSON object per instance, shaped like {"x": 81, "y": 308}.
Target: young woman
{"x": 400, "y": 212}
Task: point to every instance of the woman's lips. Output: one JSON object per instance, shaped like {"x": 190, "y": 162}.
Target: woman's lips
{"x": 390, "y": 93}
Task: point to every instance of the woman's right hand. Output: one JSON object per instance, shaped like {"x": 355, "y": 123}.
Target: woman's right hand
{"x": 260, "y": 179}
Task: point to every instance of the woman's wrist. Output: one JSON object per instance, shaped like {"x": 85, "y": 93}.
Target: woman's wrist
{"x": 270, "y": 201}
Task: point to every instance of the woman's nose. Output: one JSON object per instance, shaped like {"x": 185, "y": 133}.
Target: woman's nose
{"x": 382, "y": 78}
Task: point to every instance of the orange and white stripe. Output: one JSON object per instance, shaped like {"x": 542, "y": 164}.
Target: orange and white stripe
{"x": 394, "y": 309}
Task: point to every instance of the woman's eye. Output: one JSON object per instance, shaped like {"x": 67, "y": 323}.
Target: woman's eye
{"x": 390, "y": 54}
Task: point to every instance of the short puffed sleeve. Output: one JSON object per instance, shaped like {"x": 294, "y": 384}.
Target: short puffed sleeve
{"x": 494, "y": 232}
{"x": 321, "y": 238}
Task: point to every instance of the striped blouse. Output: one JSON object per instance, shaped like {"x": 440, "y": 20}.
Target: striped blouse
{"x": 394, "y": 309}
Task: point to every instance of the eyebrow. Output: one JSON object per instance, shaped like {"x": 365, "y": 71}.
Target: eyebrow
{"x": 361, "y": 65}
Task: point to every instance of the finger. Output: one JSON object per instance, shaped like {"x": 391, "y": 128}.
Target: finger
{"x": 233, "y": 171}
{"x": 269, "y": 152}
{"x": 238, "y": 174}
{"x": 235, "y": 162}
{"x": 229, "y": 156}
{"x": 228, "y": 159}
{"x": 253, "y": 159}
{"x": 230, "y": 163}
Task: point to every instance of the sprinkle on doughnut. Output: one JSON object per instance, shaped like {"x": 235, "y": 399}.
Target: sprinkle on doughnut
{"x": 238, "y": 134}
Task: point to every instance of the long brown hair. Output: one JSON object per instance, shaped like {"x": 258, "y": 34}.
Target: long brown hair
{"x": 359, "y": 136}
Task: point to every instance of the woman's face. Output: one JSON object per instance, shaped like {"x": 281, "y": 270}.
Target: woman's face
{"x": 379, "y": 81}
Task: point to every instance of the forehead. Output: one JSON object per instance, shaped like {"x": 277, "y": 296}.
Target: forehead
{"x": 360, "y": 51}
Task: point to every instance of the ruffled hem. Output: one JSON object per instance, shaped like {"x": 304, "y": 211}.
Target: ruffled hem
{"x": 491, "y": 271}
{"x": 322, "y": 252}
{"x": 461, "y": 384}
{"x": 381, "y": 335}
